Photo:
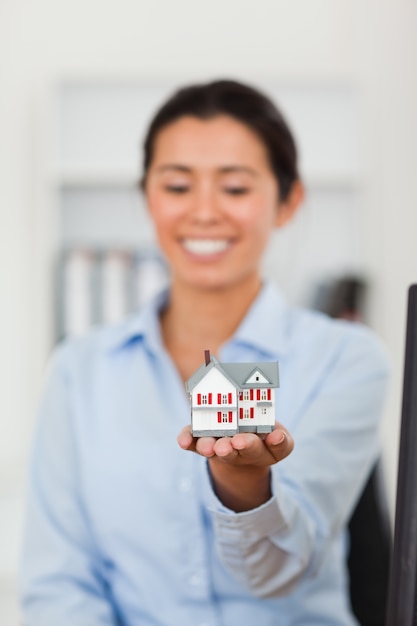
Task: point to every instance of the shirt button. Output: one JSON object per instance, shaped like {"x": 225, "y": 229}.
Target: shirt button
{"x": 185, "y": 485}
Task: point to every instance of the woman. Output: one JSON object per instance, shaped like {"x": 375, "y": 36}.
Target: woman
{"x": 125, "y": 526}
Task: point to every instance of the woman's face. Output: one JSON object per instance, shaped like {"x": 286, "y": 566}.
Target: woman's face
{"x": 213, "y": 199}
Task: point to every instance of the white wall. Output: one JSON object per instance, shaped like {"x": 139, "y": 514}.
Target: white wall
{"x": 372, "y": 43}
{"x": 387, "y": 65}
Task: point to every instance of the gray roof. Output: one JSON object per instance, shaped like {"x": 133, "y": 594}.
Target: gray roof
{"x": 202, "y": 371}
{"x": 237, "y": 373}
{"x": 240, "y": 372}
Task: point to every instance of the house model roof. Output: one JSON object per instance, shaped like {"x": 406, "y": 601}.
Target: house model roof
{"x": 242, "y": 375}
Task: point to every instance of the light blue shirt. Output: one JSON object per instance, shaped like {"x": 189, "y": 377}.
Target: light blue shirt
{"x": 123, "y": 526}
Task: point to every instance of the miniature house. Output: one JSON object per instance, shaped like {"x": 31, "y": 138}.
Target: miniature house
{"x": 227, "y": 398}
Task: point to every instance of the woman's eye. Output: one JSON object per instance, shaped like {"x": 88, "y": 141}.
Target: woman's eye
{"x": 176, "y": 188}
{"x": 236, "y": 191}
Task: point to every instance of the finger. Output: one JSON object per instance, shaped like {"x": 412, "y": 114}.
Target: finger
{"x": 185, "y": 439}
{"x": 246, "y": 442}
{"x": 252, "y": 449}
{"x": 224, "y": 449}
{"x": 205, "y": 446}
{"x": 279, "y": 443}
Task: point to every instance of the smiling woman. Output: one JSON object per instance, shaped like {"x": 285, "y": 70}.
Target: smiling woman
{"x": 220, "y": 173}
{"x": 234, "y": 530}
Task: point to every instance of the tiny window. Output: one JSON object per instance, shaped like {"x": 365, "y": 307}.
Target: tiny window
{"x": 204, "y": 398}
{"x": 224, "y": 417}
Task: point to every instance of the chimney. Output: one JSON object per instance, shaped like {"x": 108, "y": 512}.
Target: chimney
{"x": 207, "y": 357}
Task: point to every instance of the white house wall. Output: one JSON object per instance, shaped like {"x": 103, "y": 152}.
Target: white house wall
{"x": 258, "y": 419}
{"x": 205, "y": 416}
{"x": 207, "y": 420}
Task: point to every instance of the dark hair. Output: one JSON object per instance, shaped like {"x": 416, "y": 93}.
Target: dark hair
{"x": 244, "y": 103}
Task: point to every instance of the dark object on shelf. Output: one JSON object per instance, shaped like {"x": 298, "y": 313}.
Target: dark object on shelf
{"x": 342, "y": 298}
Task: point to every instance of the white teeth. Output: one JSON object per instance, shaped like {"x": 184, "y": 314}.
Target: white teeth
{"x": 205, "y": 246}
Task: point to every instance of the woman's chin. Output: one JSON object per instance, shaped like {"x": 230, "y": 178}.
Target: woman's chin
{"x": 216, "y": 281}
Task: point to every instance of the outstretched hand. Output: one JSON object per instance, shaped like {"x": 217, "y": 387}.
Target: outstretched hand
{"x": 239, "y": 465}
{"x": 243, "y": 448}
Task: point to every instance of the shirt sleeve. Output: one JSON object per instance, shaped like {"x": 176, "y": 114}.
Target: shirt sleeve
{"x": 61, "y": 579}
{"x": 269, "y": 549}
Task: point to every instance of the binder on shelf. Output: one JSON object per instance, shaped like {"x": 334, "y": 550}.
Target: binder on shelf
{"x": 78, "y": 291}
{"x": 150, "y": 275}
{"x": 104, "y": 286}
{"x": 115, "y": 268}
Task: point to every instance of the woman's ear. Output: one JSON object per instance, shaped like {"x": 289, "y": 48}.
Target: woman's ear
{"x": 288, "y": 208}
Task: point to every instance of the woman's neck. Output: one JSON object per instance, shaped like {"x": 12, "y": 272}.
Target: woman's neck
{"x": 198, "y": 319}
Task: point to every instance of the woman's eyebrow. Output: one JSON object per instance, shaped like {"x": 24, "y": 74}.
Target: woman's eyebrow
{"x": 224, "y": 169}
{"x": 176, "y": 167}
{"x": 238, "y": 168}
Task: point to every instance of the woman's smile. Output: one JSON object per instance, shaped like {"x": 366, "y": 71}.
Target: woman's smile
{"x": 206, "y": 247}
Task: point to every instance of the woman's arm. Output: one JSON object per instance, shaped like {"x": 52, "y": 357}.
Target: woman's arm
{"x": 270, "y": 546}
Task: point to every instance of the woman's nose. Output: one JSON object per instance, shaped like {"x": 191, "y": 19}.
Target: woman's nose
{"x": 205, "y": 206}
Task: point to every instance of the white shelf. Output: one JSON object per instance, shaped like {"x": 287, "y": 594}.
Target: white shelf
{"x": 94, "y": 177}
{"x": 128, "y": 178}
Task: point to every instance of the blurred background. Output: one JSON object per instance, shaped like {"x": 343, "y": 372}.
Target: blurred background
{"x": 78, "y": 83}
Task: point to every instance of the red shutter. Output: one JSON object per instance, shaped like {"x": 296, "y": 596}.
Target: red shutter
{"x": 240, "y": 395}
{"x": 251, "y": 394}
{"x": 219, "y": 416}
{"x": 230, "y": 416}
{"x": 199, "y": 398}
{"x": 252, "y": 412}
{"x": 241, "y": 413}
{"x": 230, "y": 398}
{"x": 258, "y": 394}
{"x": 219, "y": 398}
{"x": 269, "y": 394}
{"x": 210, "y": 398}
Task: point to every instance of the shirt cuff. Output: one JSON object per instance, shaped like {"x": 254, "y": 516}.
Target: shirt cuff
{"x": 263, "y": 521}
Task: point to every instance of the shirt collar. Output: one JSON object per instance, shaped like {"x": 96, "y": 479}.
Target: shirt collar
{"x": 264, "y": 326}
{"x": 143, "y": 325}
